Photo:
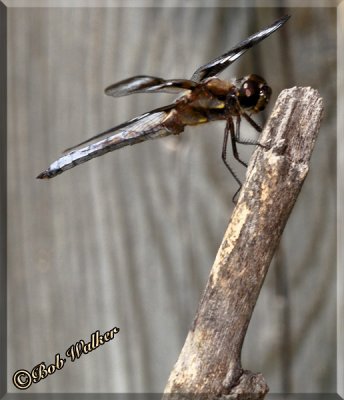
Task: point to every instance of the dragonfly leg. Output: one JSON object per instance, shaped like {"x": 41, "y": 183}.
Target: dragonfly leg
{"x": 253, "y": 123}
{"x": 238, "y": 139}
{"x": 257, "y": 127}
{"x": 230, "y": 129}
{"x": 234, "y": 135}
{"x": 233, "y": 104}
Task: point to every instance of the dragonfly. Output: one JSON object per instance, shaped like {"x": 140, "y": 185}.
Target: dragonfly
{"x": 203, "y": 98}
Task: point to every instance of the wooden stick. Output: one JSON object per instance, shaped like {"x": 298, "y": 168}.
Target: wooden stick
{"x": 210, "y": 361}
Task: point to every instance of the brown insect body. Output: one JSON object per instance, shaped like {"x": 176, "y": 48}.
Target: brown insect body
{"x": 204, "y": 98}
{"x": 217, "y": 99}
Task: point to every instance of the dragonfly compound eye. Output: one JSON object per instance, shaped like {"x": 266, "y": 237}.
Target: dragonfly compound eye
{"x": 249, "y": 94}
{"x": 254, "y": 93}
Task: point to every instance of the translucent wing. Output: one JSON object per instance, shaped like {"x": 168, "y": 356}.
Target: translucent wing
{"x": 145, "y": 127}
{"x": 119, "y": 127}
{"x": 217, "y": 65}
{"x": 148, "y": 84}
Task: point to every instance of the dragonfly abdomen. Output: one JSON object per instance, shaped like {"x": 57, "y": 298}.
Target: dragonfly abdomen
{"x": 132, "y": 135}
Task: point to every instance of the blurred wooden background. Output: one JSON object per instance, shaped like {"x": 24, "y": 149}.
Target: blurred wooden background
{"x": 128, "y": 239}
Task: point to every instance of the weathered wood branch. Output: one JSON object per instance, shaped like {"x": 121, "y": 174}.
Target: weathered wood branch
{"x": 209, "y": 365}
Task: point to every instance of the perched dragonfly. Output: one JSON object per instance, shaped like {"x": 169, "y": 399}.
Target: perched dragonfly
{"x": 205, "y": 98}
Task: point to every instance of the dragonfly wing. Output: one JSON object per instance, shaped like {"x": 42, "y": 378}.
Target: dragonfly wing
{"x": 148, "y": 84}
{"x": 146, "y": 126}
{"x": 118, "y": 127}
{"x": 220, "y": 63}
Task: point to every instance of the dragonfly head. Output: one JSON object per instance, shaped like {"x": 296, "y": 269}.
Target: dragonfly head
{"x": 254, "y": 94}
